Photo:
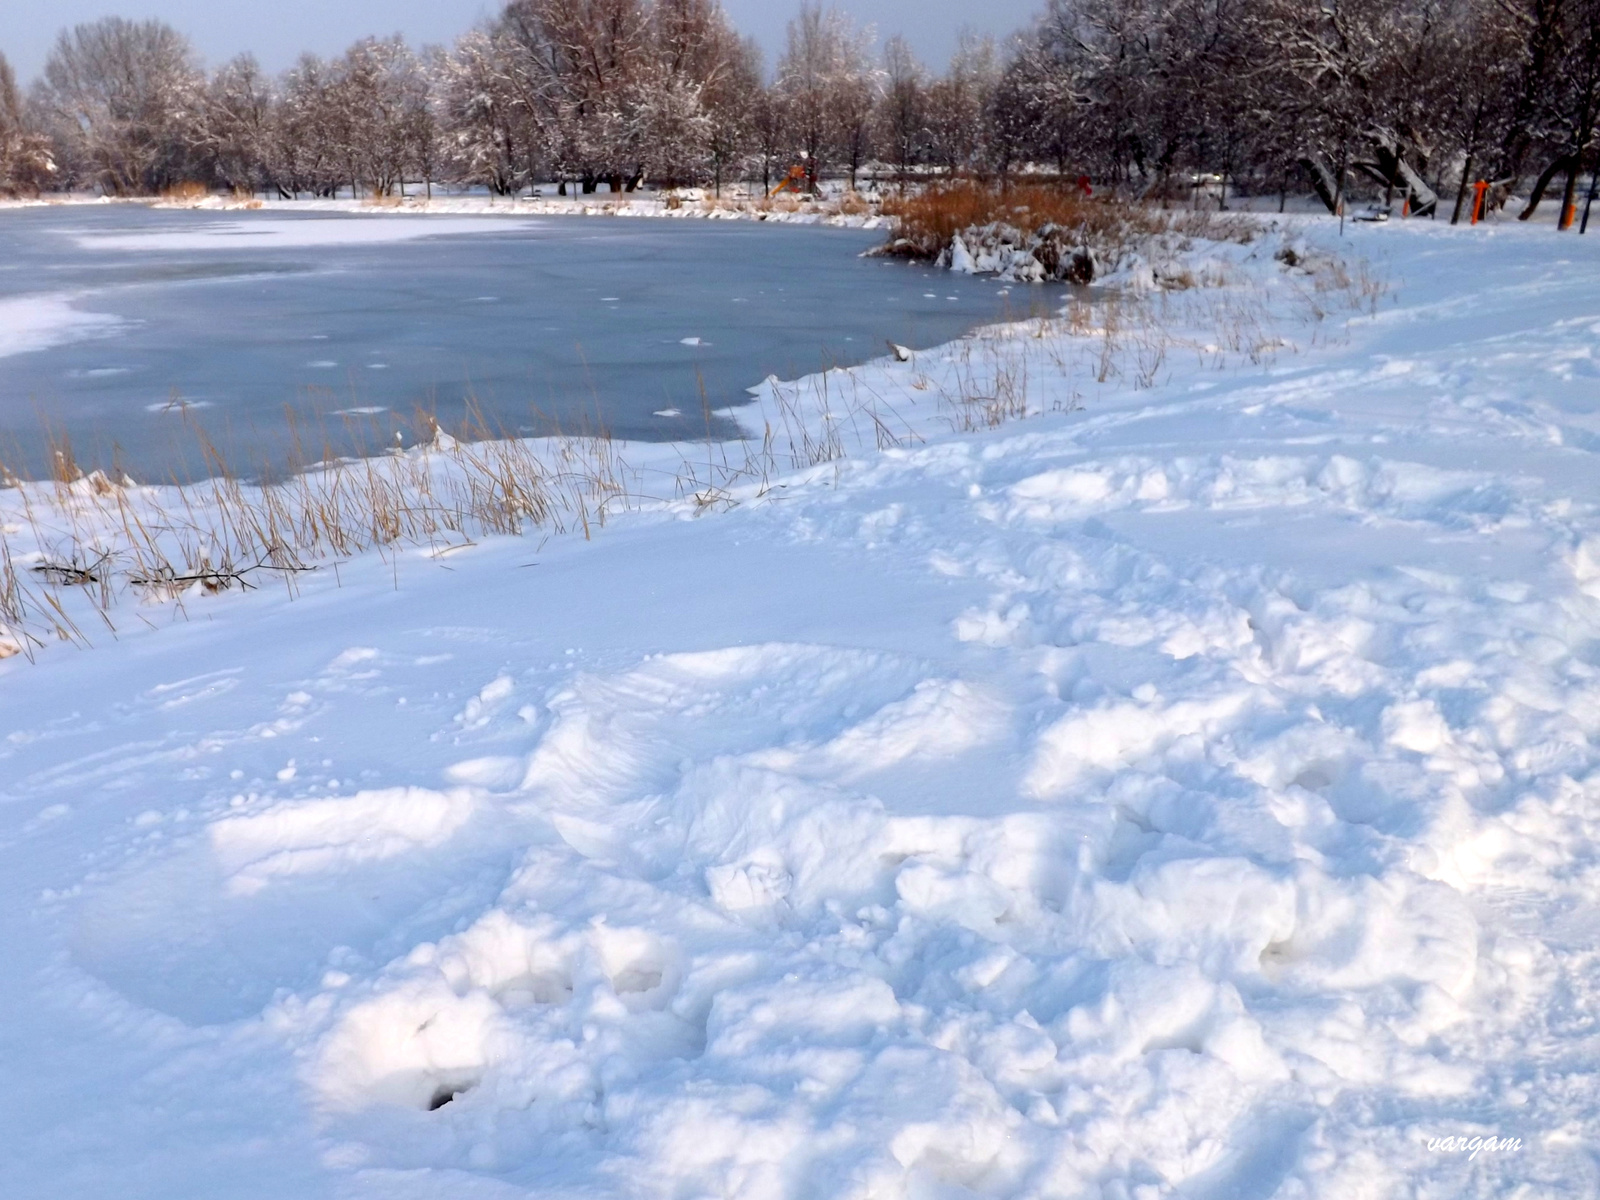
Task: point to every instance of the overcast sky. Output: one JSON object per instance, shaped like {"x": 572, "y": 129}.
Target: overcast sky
{"x": 278, "y": 30}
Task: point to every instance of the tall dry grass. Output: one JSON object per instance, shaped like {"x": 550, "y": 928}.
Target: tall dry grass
{"x": 186, "y": 192}
{"x": 81, "y": 543}
{"x": 926, "y": 222}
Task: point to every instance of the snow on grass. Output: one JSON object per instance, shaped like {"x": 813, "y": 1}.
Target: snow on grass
{"x": 1148, "y": 751}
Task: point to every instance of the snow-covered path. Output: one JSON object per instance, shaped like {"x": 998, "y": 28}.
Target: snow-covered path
{"x": 1194, "y": 795}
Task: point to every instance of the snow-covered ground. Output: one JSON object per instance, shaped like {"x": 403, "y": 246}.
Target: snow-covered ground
{"x": 1187, "y": 790}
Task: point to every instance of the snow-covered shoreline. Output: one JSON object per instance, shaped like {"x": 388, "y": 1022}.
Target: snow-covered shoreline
{"x": 1189, "y": 789}
{"x": 785, "y": 211}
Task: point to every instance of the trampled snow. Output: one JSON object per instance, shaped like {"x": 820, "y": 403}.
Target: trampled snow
{"x": 1187, "y": 790}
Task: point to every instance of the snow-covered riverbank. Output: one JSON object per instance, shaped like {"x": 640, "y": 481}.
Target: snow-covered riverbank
{"x": 1187, "y": 790}
{"x": 696, "y": 205}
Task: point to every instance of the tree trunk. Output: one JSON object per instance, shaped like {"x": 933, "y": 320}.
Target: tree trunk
{"x": 1323, "y": 182}
{"x": 1461, "y": 192}
{"x": 1568, "y": 192}
{"x": 1542, "y": 183}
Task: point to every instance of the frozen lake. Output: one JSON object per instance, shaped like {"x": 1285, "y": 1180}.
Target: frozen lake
{"x": 120, "y": 323}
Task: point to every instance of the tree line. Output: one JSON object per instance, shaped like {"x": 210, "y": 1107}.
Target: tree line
{"x": 1413, "y": 97}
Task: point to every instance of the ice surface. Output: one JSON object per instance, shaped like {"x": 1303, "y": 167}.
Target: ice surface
{"x": 300, "y": 233}
{"x": 1190, "y": 794}
{"x": 469, "y": 318}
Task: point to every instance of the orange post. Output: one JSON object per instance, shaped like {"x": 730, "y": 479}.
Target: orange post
{"x": 1480, "y": 189}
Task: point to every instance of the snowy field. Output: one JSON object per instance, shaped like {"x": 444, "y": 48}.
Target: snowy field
{"x": 1186, "y": 790}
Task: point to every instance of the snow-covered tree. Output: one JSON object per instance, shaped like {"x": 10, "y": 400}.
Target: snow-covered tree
{"x": 826, "y": 85}
{"x": 903, "y": 109}
{"x": 236, "y": 124}
{"x": 121, "y": 100}
{"x": 26, "y": 162}
{"x": 958, "y": 105}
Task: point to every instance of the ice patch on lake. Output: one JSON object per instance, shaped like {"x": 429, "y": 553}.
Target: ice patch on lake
{"x": 29, "y": 323}
{"x": 279, "y": 234}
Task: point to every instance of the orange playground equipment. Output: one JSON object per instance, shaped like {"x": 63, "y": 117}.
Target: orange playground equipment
{"x": 795, "y": 179}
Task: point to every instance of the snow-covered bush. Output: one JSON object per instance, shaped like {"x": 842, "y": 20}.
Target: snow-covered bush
{"x": 1039, "y": 233}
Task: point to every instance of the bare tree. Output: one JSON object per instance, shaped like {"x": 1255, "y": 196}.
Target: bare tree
{"x": 732, "y": 103}
{"x": 236, "y": 119}
{"x": 825, "y": 89}
{"x": 121, "y": 100}
{"x": 903, "y": 112}
{"x": 695, "y": 91}
{"x": 584, "y": 61}
{"x": 1152, "y": 96}
{"x": 26, "y": 164}
{"x": 491, "y": 113}
{"x": 958, "y": 104}
{"x": 379, "y": 98}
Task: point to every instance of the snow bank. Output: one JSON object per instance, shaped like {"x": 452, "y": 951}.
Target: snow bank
{"x": 1188, "y": 790}
{"x": 688, "y": 206}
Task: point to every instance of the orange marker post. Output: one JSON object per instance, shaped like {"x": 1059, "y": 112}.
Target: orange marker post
{"x": 1480, "y": 189}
